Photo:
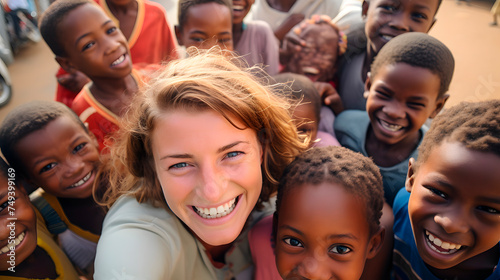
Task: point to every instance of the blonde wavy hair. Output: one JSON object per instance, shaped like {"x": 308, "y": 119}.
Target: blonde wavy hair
{"x": 206, "y": 80}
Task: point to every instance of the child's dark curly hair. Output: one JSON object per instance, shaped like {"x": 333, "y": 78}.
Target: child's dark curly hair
{"x": 475, "y": 125}
{"x": 357, "y": 173}
{"x": 418, "y": 50}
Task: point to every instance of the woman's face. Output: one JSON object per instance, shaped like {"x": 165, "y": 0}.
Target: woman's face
{"x": 209, "y": 171}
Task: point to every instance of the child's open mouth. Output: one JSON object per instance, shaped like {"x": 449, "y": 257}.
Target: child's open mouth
{"x": 440, "y": 246}
{"x": 118, "y": 61}
{"x": 217, "y": 212}
{"x": 389, "y": 126}
{"x": 82, "y": 181}
{"x": 17, "y": 241}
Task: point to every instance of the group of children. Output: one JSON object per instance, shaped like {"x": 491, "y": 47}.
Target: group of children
{"x": 425, "y": 206}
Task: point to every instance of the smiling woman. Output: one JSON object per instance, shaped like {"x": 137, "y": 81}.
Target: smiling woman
{"x": 192, "y": 170}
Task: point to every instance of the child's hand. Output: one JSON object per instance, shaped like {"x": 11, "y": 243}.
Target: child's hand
{"x": 330, "y": 96}
{"x": 74, "y": 82}
{"x": 287, "y": 25}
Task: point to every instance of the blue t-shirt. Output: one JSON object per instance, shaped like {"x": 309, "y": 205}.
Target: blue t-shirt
{"x": 407, "y": 263}
{"x": 351, "y": 128}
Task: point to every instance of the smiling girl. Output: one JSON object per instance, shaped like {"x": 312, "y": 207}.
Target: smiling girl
{"x": 193, "y": 169}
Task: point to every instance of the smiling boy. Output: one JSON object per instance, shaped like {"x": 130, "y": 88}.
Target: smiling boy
{"x": 82, "y": 37}
{"x": 448, "y": 226}
{"x": 407, "y": 85}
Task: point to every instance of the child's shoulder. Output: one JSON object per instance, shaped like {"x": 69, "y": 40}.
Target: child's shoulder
{"x": 352, "y": 122}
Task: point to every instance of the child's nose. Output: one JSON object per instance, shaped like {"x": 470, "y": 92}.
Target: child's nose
{"x": 452, "y": 222}
{"x": 394, "y": 110}
{"x": 111, "y": 45}
{"x": 73, "y": 167}
{"x": 316, "y": 267}
{"x": 400, "y": 22}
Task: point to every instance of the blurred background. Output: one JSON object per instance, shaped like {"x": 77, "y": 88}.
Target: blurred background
{"x": 462, "y": 26}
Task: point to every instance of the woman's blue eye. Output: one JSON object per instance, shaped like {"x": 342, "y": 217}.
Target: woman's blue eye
{"x": 48, "y": 167}
{"x": 292, "y": 242}
{"x": 232, "y": 154}
{"x": 179, "y": 165}
{"x": 340, "y": 249}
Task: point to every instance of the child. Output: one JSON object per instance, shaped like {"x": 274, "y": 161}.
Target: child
{"x": 323, "y": 45}
{"x": 384, "y": 21}
{"x": 408, "y": 84}
{"x": 83, "y": 38}
{"x": 205, "y": 23}
{"x": 254, "y": 40}
{"x": 192, "y": 171}
{"x": 320, "y": 186}
{"x": 48, "y": 145}
{"x": 306, "y": 114}
{"x": 27, "y": 250}
{"x": 146, "y": 28}
{"x": 448, "y": 226}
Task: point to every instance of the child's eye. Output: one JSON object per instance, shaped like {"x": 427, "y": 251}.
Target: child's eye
{"x": 179, "y": 165}
{"x": 233, "y": 154}
{"x": 4, "y": 206}
{"x": 438, "y": 193}
{"x": 78, "y": 148}
{"x": 382, "y": 95}
{"x": 292, "y": 242}
{"x": 47, "y": 167}
{"x": 87, "y": 46}
{"x": 419, "y": 16}
{"x": 198, "y": 40}
{"x": 388, "y": 8}
{"x": 416, "y": 105}
{"x": 224, "y": 40}
{"x": 111, "y": 30}
{"x": 340, "y": 249}
{"x": 488, "y": 210}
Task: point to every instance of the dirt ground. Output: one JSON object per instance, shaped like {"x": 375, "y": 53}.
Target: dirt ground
{"x": 464, "y": 28}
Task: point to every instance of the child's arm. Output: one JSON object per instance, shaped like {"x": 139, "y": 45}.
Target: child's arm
{"x": 329, "y": 96}
{"x": 287, "y": 25}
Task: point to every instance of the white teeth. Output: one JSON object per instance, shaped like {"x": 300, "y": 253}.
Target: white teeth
{"x": 444, "y": 245}
{"x": 220, "y": 211}
{"x": 82, "y": 181}
{"x": 387, "y": 37}
{"x": 118, "y": 61}
{"x": 310, "y": 70}
{"x": 17, "y": 241}
{"x": 391, "y": 127}
{"x": 238, "y": 7}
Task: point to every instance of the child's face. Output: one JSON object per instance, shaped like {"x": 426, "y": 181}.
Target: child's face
{"x": 94, "y": 44}
{"x": 241, "y": 9}
{"x": 318, "y": 59}
{"x": 454, "y": 200}
{"x": 62, "y": 158}
{"x": 400, "y": 99}
{"x": 22, "y": 230}
{"x": 322, "y": 233}
{"x": 209, "y": 170}
{"x": 207, "y": 25}
{"x": 305, "y": 120}
{"x": 386, "y": 19}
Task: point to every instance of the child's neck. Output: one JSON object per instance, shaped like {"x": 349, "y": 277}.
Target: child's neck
{"x": 85, "y": 213}
{"x": 126, "y": 16}
{"x": 387, "y": 155}
{"x": 39, "y": 265}
{"x": 478, "y": 267}
{"x": 237, "y": 32}
{"x": 370, "y": 56}
{"x": 114, "y": 94}
{"x": 281, "y": 5}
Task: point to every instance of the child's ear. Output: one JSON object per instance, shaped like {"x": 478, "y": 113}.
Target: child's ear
{"x": 376, "y": 242}
{"x": 364, "y": 8}
{"x": 178, "y": 35}
{"x": 66, "y": 64}
{"x": 439, "y": 105}
{"x": 410, "y": 176}
{"x": 368, "y": 85}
